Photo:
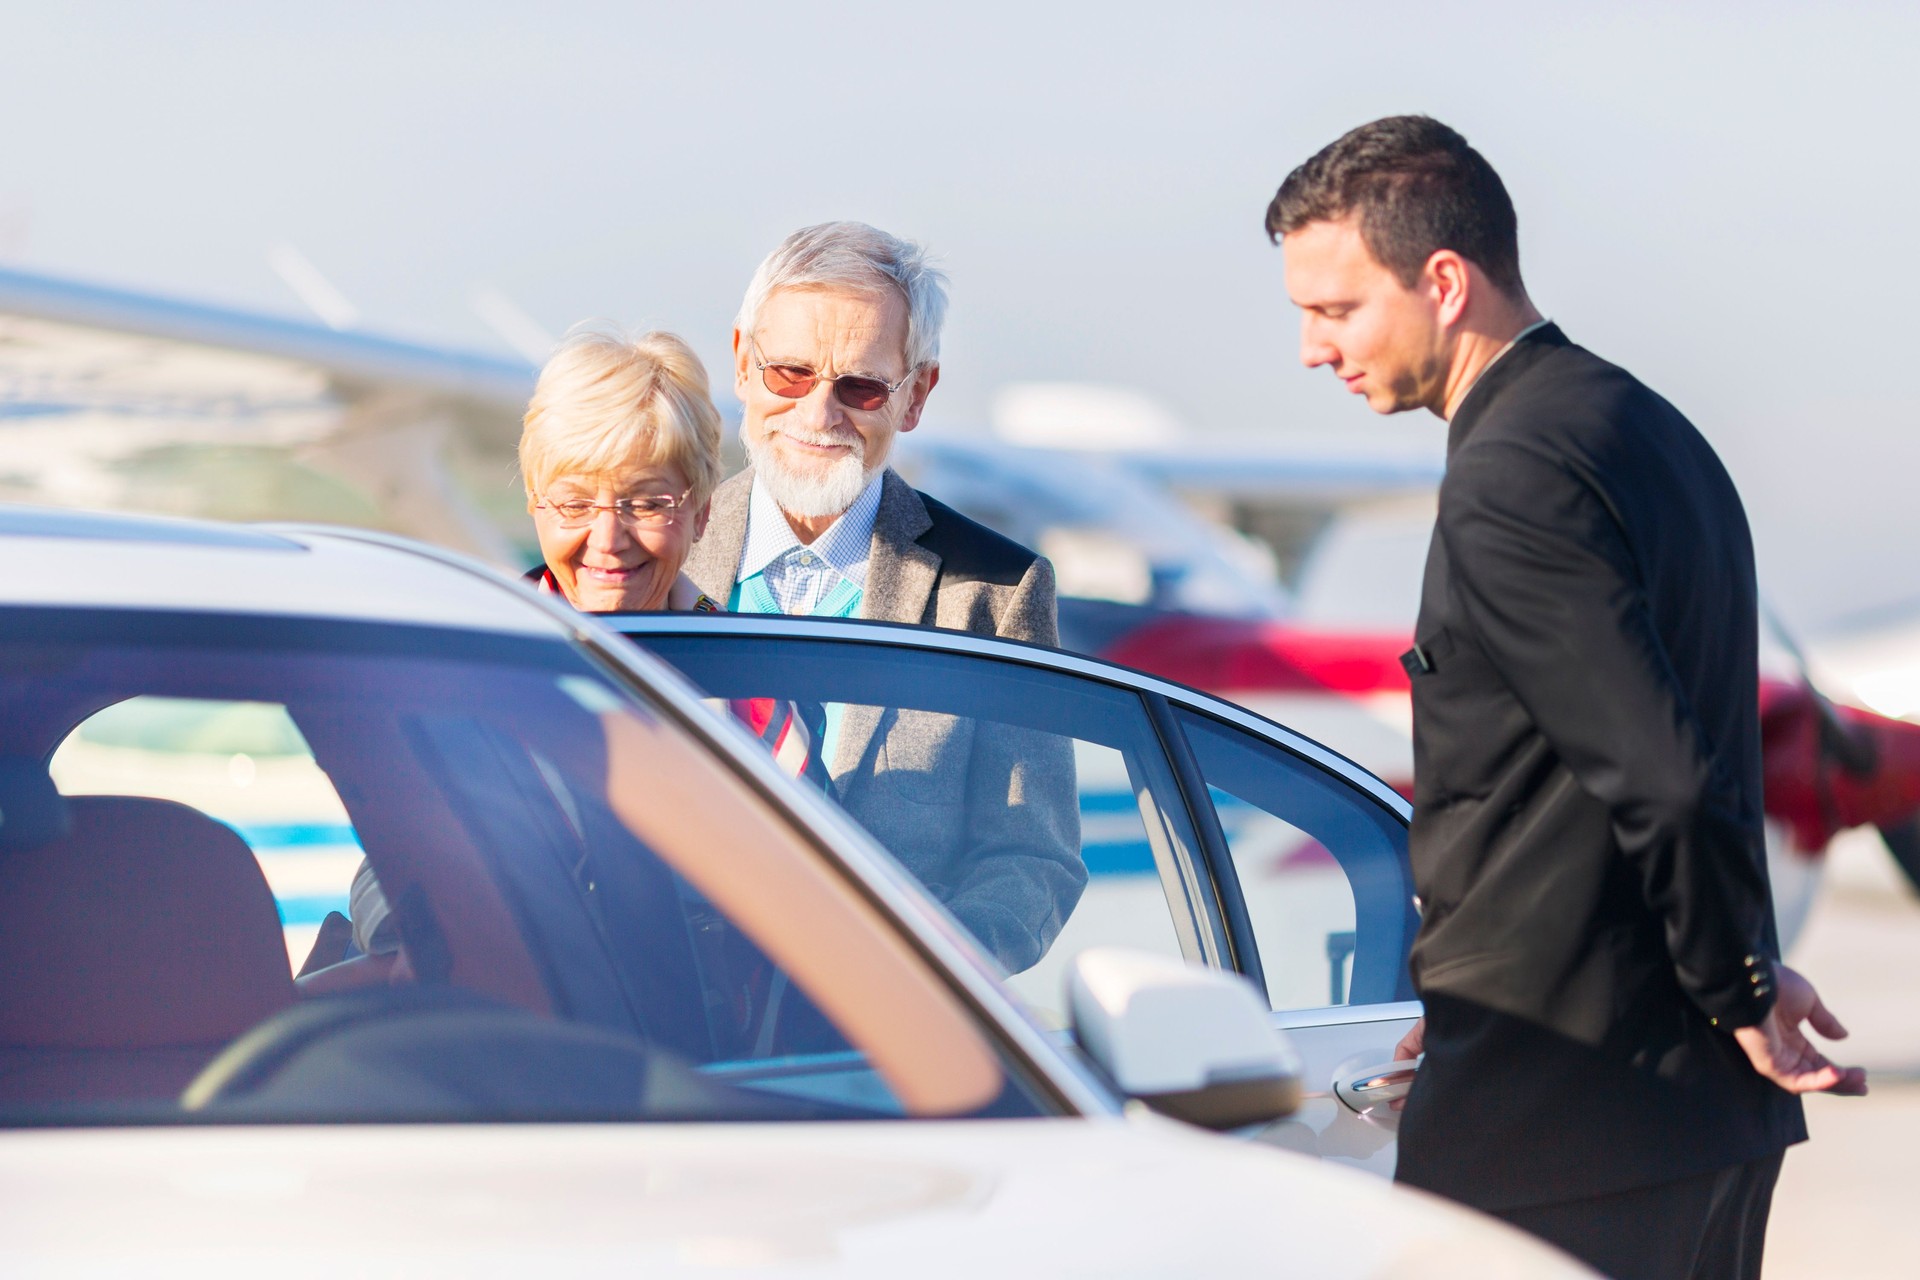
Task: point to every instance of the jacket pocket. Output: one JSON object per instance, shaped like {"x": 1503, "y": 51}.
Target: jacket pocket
{"x": 1428, "y": 654}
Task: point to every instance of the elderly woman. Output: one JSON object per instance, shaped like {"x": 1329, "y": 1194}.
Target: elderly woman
{"x": 620, "y": 452}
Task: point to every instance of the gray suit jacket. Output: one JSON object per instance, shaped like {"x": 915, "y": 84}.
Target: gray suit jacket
{"x": 986, "y": 815}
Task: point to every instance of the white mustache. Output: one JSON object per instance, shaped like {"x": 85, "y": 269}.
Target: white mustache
{"x": 828, "y": 439}
{"x": 825, "y": 490}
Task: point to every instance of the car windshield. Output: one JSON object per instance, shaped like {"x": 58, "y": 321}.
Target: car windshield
{"x": 260, "y": 869}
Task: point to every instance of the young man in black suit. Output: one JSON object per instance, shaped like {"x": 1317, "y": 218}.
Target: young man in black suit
{"x": 1612, "y": 1046}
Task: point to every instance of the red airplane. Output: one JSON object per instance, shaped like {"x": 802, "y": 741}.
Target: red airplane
{"x": 1828, "y": 767}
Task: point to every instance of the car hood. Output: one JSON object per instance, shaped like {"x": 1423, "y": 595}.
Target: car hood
{"x": 1055, "y": 1197}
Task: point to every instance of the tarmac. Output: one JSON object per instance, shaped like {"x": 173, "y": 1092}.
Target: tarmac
{"x": 1848, "y": 1204}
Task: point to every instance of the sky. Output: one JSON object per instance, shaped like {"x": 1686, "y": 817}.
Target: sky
{"x": 1720, "y": 197}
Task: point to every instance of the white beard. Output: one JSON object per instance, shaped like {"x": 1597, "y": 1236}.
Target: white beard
{"x": 817, "y": 495}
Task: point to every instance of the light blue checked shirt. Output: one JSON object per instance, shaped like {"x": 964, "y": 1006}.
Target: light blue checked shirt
{"x": 798, "y": 574}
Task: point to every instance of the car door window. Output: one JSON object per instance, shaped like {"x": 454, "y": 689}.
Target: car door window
{"x": 1321, "y": 867}
{"x": 1038, "y": 808}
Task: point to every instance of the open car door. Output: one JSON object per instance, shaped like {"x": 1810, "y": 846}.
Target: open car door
{"x": 1054, "y": 803}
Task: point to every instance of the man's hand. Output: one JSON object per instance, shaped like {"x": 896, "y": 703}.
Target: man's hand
{"x": 1780, "y": 1050}
{"x": 1411, "y": 1046}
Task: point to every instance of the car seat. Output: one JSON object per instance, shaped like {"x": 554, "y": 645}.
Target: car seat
{"x": 139, "y": 937}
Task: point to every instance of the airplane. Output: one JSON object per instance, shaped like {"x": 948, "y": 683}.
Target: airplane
{"x": 117, "y": 399}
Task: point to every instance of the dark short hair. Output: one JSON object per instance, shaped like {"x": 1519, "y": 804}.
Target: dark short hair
{"x": 1418, "y": 188}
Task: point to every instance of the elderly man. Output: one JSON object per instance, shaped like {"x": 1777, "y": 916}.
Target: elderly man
{"x": 836, "y": 350}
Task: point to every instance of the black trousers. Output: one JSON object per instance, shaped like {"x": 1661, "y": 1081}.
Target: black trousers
{"x": 1712, "y": 1227}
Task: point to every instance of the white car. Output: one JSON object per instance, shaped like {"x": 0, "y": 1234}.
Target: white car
{"x": 648, "y": 1004}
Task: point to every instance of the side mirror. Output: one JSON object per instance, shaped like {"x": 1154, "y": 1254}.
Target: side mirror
{"x": 1192, "y": 1043}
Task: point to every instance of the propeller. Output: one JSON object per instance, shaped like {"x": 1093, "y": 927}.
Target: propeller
{"x": 1866, "y": 750}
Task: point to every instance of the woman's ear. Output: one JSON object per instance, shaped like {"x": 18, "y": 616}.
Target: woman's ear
{"x": 700, "y": 519}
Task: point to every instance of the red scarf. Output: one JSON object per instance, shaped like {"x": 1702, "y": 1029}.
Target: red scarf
{"x": 780, "y": 724}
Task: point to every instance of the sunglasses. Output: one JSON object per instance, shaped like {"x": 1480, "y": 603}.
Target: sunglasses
{"x": 796, "y": 381}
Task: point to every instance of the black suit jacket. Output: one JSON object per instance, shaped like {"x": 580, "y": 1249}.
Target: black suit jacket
{"x": 1587, "y": 838}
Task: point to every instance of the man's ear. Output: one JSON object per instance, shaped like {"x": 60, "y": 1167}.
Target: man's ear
{"x": 741, "y": 354}
{"x": 923, "y": 384}
{"x": 1449, "y": 283}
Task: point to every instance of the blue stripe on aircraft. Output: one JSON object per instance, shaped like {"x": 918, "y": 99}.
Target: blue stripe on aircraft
{"x": 1103, "y": 858}
{"x": 310, "y": 908}
{"x": 1133, "y": 858}
{"x": 1108, "y": 802}
{"x": 286, "y": 837}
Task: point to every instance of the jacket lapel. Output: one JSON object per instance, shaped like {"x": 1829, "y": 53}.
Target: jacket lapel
{"x": 715, "y": 559}
{"x": 900, "y": 579}
{"x": 900, "y": 572}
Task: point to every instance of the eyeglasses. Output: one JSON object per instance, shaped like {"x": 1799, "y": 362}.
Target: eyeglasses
{"x": 578, "y": 513}
{"x": 795, "y": 381}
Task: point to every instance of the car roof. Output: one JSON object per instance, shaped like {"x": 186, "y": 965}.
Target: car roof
{"x": 111, "y": 561}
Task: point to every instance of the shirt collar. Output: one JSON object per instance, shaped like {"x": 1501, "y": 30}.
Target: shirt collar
{"x": 845, "y": 546}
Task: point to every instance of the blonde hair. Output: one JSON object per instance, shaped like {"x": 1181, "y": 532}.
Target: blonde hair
{"x": 607, "y": 404}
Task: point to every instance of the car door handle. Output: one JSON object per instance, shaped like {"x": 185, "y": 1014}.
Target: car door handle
{"x": 1365, "y": 1088}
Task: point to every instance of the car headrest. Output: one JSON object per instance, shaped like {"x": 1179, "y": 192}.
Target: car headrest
{"x": 32, "y": 810}
{"x": 148, "y": 924}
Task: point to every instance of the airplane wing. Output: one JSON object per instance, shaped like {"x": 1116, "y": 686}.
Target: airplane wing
{"x": 1295, "y": 468}
{"x": 1295, "y": 492}
{"x": 1284, "y": 487}
{"x": 126, "y": 401}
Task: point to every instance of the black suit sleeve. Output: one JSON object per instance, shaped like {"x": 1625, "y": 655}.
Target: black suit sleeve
{"x": 1544, "y": 575}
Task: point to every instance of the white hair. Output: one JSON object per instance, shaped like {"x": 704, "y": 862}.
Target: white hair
{"x": 853, "y": 255}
